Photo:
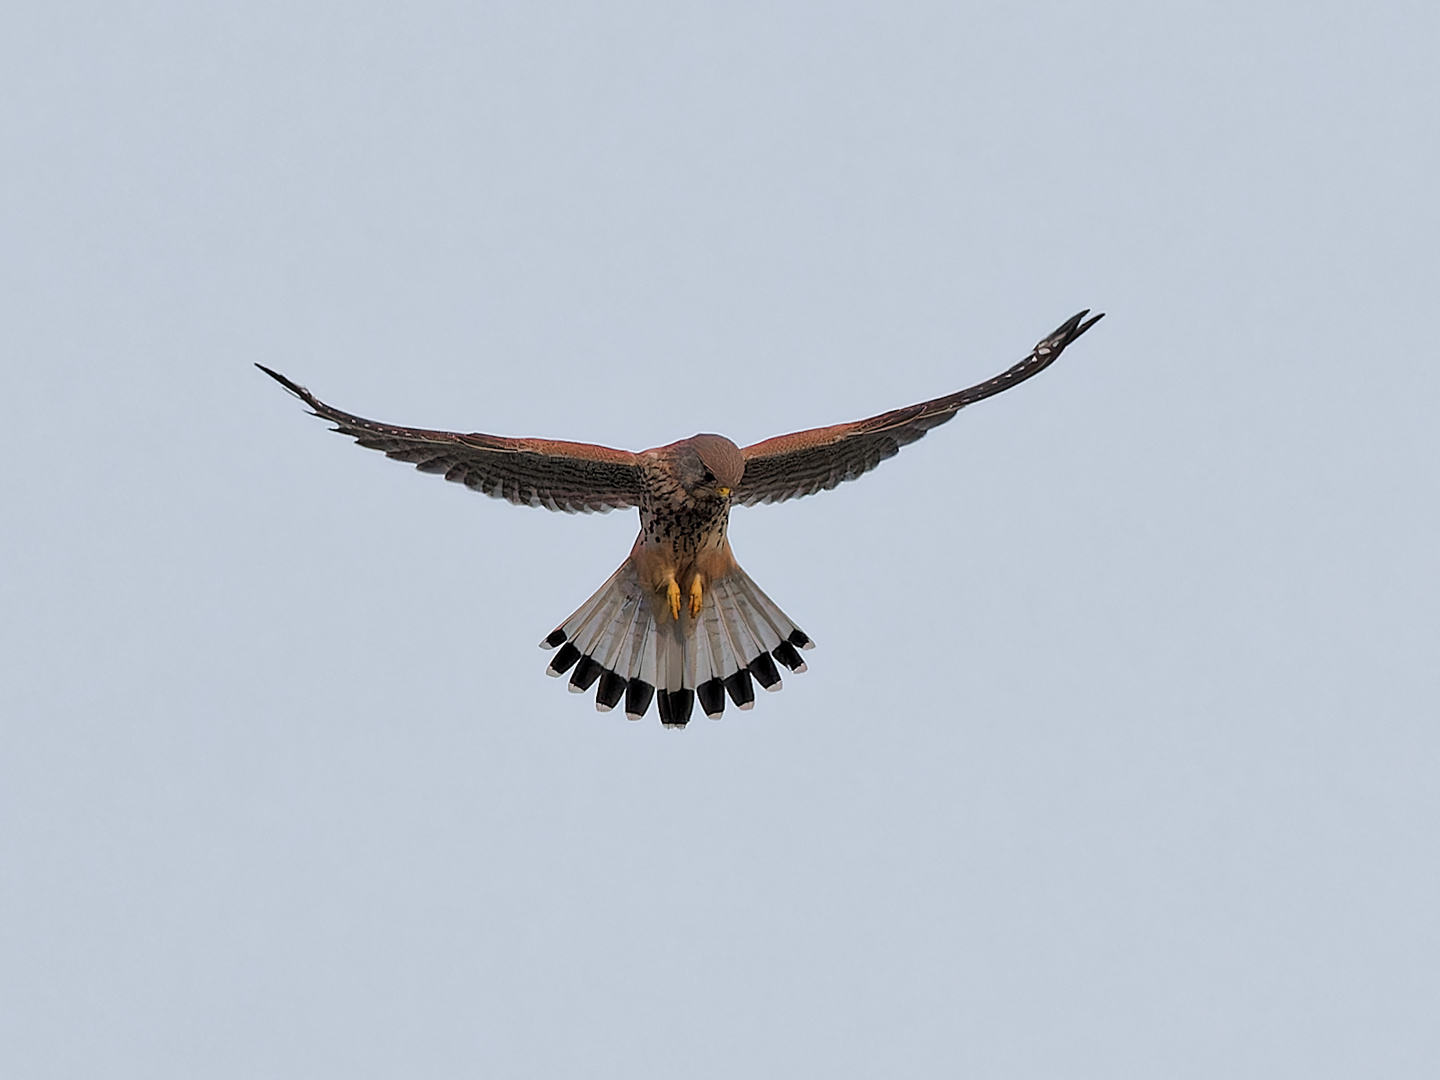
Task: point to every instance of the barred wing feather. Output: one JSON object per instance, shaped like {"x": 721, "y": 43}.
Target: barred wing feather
{"x": 805, "y": 462}
{"x": 568, "y": 476}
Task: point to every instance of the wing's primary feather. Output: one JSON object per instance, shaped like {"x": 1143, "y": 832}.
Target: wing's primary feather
{"x": 557, "y": 475}
{"x": 805, "y": 462}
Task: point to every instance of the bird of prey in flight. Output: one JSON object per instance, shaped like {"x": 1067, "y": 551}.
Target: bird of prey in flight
{"x": 679, "y": 619}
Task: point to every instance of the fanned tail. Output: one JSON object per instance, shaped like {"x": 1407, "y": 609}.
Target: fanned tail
{"x": 614, "y": 639}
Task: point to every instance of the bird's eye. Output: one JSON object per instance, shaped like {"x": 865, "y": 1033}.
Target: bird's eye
{"x": 709, "y": 477}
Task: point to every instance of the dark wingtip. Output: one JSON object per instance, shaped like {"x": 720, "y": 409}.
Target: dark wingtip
{"x": 1083, "y": 326}
{"x": 294, "y": 387}
{"x": 1064, "y": 334}
{"x": 1072, "y": 328}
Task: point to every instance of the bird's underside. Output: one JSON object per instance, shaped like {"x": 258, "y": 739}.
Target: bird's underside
{"x": 679, "y": 618}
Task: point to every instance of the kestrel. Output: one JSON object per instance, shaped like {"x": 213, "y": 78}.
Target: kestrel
{"x": 679, "y": 619}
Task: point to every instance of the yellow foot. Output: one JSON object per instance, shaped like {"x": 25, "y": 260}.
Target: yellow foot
{"x": 672, "y": 592}
{"x": 697, "y": 596}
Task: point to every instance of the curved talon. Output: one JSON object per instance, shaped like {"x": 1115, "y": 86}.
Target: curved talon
{"x": 697, "y": 596}
{"x": 672, "y": 592}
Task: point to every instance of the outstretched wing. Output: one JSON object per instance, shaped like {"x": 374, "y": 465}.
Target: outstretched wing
{"x": 564, "y": 476}
{"x": 805, "y": 462}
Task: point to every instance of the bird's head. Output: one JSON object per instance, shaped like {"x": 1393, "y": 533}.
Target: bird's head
{"x": 713, "y": 467}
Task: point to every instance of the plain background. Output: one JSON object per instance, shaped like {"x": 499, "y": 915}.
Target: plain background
{"x": 1118, "y": 754}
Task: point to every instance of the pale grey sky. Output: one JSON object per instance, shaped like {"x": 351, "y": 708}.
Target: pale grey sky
{"x": 1118, "y": 754}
